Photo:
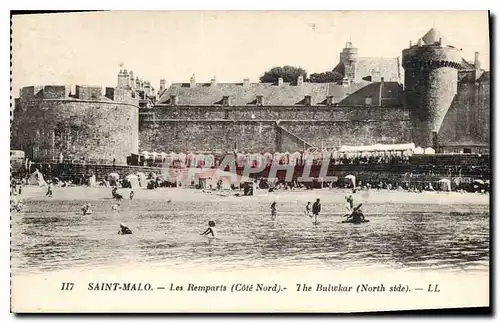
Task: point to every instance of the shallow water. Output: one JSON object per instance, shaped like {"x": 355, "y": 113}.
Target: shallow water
{"x": 53, "y": 235}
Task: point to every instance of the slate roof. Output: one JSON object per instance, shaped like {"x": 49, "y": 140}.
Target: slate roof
{"x": 388, "y": 68}
{"x": 273, "y": 95}
{"x": 432, "y": 36}
{"x": 466, "y": 65}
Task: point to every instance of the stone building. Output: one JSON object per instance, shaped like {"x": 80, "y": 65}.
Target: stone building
{"x": 81, "y": 123}
{"x": 444, "y": 103}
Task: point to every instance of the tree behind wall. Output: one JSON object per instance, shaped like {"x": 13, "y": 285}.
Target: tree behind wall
{"x": 325, "y": 77}
{"x": 288, "y": 73}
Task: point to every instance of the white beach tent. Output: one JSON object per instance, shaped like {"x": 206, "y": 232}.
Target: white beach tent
{"x": 190, "y": 160}
{"x": 113, "y": 179}
{"x": 36, "y": 178}
{"x": 92, "y": 181}
{"x": 418, "y": 151}
{"x": 142, "y": 179}
{"x": 133, "y": 180}
{"x": 295, "y": 158}
{"x": 209, "y": 161}
{"x": 352, "y": 179}
{"x": 181, "y": 157}
{"x": 268, "y": 157}
{"x": 429, "y": 151}
{"x": 445, "y": 185}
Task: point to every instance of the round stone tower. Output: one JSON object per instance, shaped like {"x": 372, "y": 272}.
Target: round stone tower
{"x": 431, "y": 75}
{"x": 349, "y": 57}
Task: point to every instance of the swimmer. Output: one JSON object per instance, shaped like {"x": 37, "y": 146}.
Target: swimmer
{"x": 86, "y": 209}
{"x": 124, "y": 229}
{"x": 210, "y": 230}
{"x": 116, "y": 207}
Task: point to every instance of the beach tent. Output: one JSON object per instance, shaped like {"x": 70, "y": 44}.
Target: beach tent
{"x": 142, "y": 179}
{"x": 418, "y": 151}
{"x": 445, "y": 185}
{"x": 295, "y": 158}
{"x": 268, "y": 158}
{"x": 133, "y": 180}
{"x": 36, "y": 178}
{"x": 351, "y": 179}
{"x": 145, "y": 154}
{"x": 199, "y": 160}
{"x": 113, "y": 179}
{"x": 92, "y": 181}
{"x": 181, "y": 157}
{"x": 190, "y": 160}
{"x": 429, "y": 151}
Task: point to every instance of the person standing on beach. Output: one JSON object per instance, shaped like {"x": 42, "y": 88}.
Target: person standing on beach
{"x": 131, "y": 193}
{"x": 49, "y": 190}
{"x": 273, "y": 210}
{"x": 316, "y": 208}
{"x": 308, "y": 209}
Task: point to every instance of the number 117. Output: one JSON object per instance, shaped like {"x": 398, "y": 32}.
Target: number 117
{"x": 67, "y": 286}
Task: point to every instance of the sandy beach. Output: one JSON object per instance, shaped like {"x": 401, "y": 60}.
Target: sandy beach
{"x": 334, "y": 196}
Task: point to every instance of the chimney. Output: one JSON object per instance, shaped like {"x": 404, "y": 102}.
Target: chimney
{"x": 440, "y": 41}
{"x": 192, "y": 82}
{"x": 307, "y": 100}
{"x": 419, "y": 44}
{"x": 329, "y": 100}
{"x": 246, "y": 82}
{"x": 300, "y": 80}
{"x": 147, "y": 88}
{"x": 226, "y": 100}
{"x": 411, "y": 43}
{"x": 476, "y": 60}
{"x": 131, "y": 75}
{"x": 280, "y": 81}
{"x": 137, "y": 83}
{"x": 260, "y": 101}
{"x": 163, "y": 83}
{"x": 174, "y": 100}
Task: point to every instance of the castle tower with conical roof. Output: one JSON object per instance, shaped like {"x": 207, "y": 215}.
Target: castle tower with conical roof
{"x": 431, "y": 76}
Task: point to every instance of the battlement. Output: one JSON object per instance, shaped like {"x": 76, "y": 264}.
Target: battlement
{"x": 88, "y": 92}
{"x": 79, "y": 92}
{"x": 44, "y": 92}
{"x": 432, "y": 56}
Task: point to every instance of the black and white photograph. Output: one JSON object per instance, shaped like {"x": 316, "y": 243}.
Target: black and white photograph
{"x": 250, "y": 161}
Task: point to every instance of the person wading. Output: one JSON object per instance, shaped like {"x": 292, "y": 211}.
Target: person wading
{"x": 273, "y": 211}
{"x": 316, "y": 209}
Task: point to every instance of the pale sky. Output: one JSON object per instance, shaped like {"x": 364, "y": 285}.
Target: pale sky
{"x": 87, "y": 48}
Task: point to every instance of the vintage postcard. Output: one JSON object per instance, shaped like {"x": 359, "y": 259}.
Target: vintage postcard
{"x": 250, "y": 161}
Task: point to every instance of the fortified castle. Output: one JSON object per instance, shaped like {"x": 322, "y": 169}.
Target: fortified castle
{"x": 444, "y": 103}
